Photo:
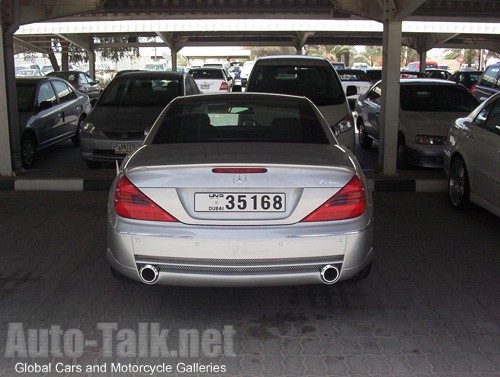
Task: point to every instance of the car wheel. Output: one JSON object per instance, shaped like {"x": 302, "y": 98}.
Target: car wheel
{"x": 119, "y": 276}
{"x": 401, "y": 153}
{"x": 28, "y": 151}
{"x": 364, "y": 140}
{"x": 93, "y": 164}
{"x": 458, "y": 184}
{"x": 76, "y": 138}
{"x": 363, "y": 274}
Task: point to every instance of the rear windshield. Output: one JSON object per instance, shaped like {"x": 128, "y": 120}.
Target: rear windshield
{"x": 240, "y": 121}
{"x": 140, "y": 92}
{"x": 318, "y": 83}
{"x": 347, "y": 75}
{"x": 207, "y": 74}
{"x": 437, "y": 98}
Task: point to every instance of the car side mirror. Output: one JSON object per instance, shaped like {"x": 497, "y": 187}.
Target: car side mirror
{"x": 336, "y": 130}
{"x": 44, "y": 105}
{"x": 351, "y": 90}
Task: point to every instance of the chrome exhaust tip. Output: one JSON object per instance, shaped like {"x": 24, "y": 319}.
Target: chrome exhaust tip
{"x": 329, "y": 274}
{"x": 148, "y": 274}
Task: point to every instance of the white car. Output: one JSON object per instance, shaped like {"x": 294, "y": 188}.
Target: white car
{"x": 472, "y": 158}
{"x": 245, "y": 71}
{"x": 311, "y": 77}
{"x": 240, "y": 189}
{"x": 211, "y": 80}
{"x": 427, "y": 108}
{"x": 354, "y": 78}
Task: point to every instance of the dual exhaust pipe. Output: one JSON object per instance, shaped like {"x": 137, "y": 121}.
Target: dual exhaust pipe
{"x": 329, "y": 274}
{"x": 149, "y": 274}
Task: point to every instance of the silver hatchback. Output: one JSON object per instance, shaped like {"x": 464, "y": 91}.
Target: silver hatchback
{"x": 240, "y": 189}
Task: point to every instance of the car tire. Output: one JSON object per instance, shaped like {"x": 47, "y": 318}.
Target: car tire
{"x": 28, "y": 151}
{"x": 365, "y": 141}
{"x": 119, "y": 276}
{"x": 401, "y": 162}
{"x": 458, "y": 184}
{"x": 93, "y": 164}
{"x": 363, "y": 274}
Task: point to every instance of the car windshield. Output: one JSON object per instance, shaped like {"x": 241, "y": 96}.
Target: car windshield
{"x": 25, "y": 96}
{"x": 237, "y": 120}
{"x": 126, "y": 91}
{"x": 206, "y": 74}
{"x": 318, "y": 83}
{"x": 436, "y": 98}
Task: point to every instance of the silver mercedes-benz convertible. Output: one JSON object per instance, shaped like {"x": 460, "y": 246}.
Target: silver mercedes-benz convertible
{"x": 240, "y": 189}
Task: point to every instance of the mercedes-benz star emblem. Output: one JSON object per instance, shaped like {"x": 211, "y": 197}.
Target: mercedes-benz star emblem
{"x": 239, "y": 180}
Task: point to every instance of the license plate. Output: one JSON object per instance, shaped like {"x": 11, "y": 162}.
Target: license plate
{"x": 123, "y": 148}
{"x": 205, "y": 86}
{"x": 239, "y": 202}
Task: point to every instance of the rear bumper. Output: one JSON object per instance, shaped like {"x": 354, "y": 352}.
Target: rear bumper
{"x": 215, "y": 256}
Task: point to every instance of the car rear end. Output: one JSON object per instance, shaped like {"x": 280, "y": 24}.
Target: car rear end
{"x": 210, "y": 80}
{"x": 240, "y": 214}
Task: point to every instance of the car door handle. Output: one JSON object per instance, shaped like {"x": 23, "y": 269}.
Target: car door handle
{"x": 469, "y": 137}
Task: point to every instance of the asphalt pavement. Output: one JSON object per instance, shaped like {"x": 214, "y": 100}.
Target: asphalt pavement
{"x": 430, "y": 306}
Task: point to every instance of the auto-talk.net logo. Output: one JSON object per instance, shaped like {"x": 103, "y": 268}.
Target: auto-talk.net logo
{"x": 146, "y": 340}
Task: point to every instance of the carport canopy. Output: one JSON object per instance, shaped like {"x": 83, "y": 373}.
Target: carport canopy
{"x": 182, "y": 23}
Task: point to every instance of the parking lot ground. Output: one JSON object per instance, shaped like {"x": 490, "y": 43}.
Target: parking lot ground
{"x": 430, "y": 306}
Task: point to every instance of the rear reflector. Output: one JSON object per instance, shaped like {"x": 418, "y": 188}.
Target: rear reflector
{"x": 239, "y": 170}
{"x": 131, "y": 203}
{"x": 349, "y": 202}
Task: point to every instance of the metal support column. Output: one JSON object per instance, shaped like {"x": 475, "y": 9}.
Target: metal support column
{"x": 5, "y": 159}
{"x": 423, "y": 60}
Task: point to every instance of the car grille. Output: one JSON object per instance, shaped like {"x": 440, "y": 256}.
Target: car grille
{"x": 238, "y": 265}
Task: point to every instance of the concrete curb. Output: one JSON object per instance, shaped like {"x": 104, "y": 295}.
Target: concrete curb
{"x": 80, "y": 184}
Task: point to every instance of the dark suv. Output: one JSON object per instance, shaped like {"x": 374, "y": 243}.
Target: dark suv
{"x": 489, "y": 83}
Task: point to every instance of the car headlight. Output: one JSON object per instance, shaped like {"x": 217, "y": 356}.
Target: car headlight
{"x": 344, "y": 125}
{"x": 88, "y": 128}
{"x": 429, "y": 140}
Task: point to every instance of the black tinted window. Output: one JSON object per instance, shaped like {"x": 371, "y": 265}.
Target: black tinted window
{"x": 318, "y": 83}
{"x": 63, "y": 91}
{"x": 490, "y": 77}
{"x": 437, "y": 98}
{"x": 240, "y": 121}
{"x": 207, "y": 74}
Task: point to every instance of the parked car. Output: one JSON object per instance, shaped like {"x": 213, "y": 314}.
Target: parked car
{"x": 354, "y": 78}
{"x": 374, "y": 74}
{"x": 472, "y": 158}
{"x": 415, "y": 66}
{"x": 28, "y": 72}
{"x": 211, "y": 80}
{"x": 308, "y": 76}
{"x": 445, "y": 67}
{"x": 489, "y": 83}
{"x": 338, "y": 65}
{"x": 80, "y": 80}
{"x": 225, "y": 65}
{"x": 47, "y": 69}
{"x": 436, "y": 73}
{"x": 127, "y": 107}
{"x": 245, "y": 71}
{"x": 405, "y": 74}
{"x": 50, "y": 111}
{"x": 467, "y": 79}
{"x": 427, "y": 108}
{"x": 240, "y": 189}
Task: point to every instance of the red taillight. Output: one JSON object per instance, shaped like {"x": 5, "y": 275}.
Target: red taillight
{"x": 223, "y": 86}
{"x": 349, "y": 202}
{"x": 472, "y": 88}
{"x": 239, "y": 170}
{"x": 131, "y": 203}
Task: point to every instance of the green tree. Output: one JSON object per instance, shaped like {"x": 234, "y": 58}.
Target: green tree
{"x": 257, "y": 52}
{"x": 470, "y": 56}
{"x": 336, "y": 53}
